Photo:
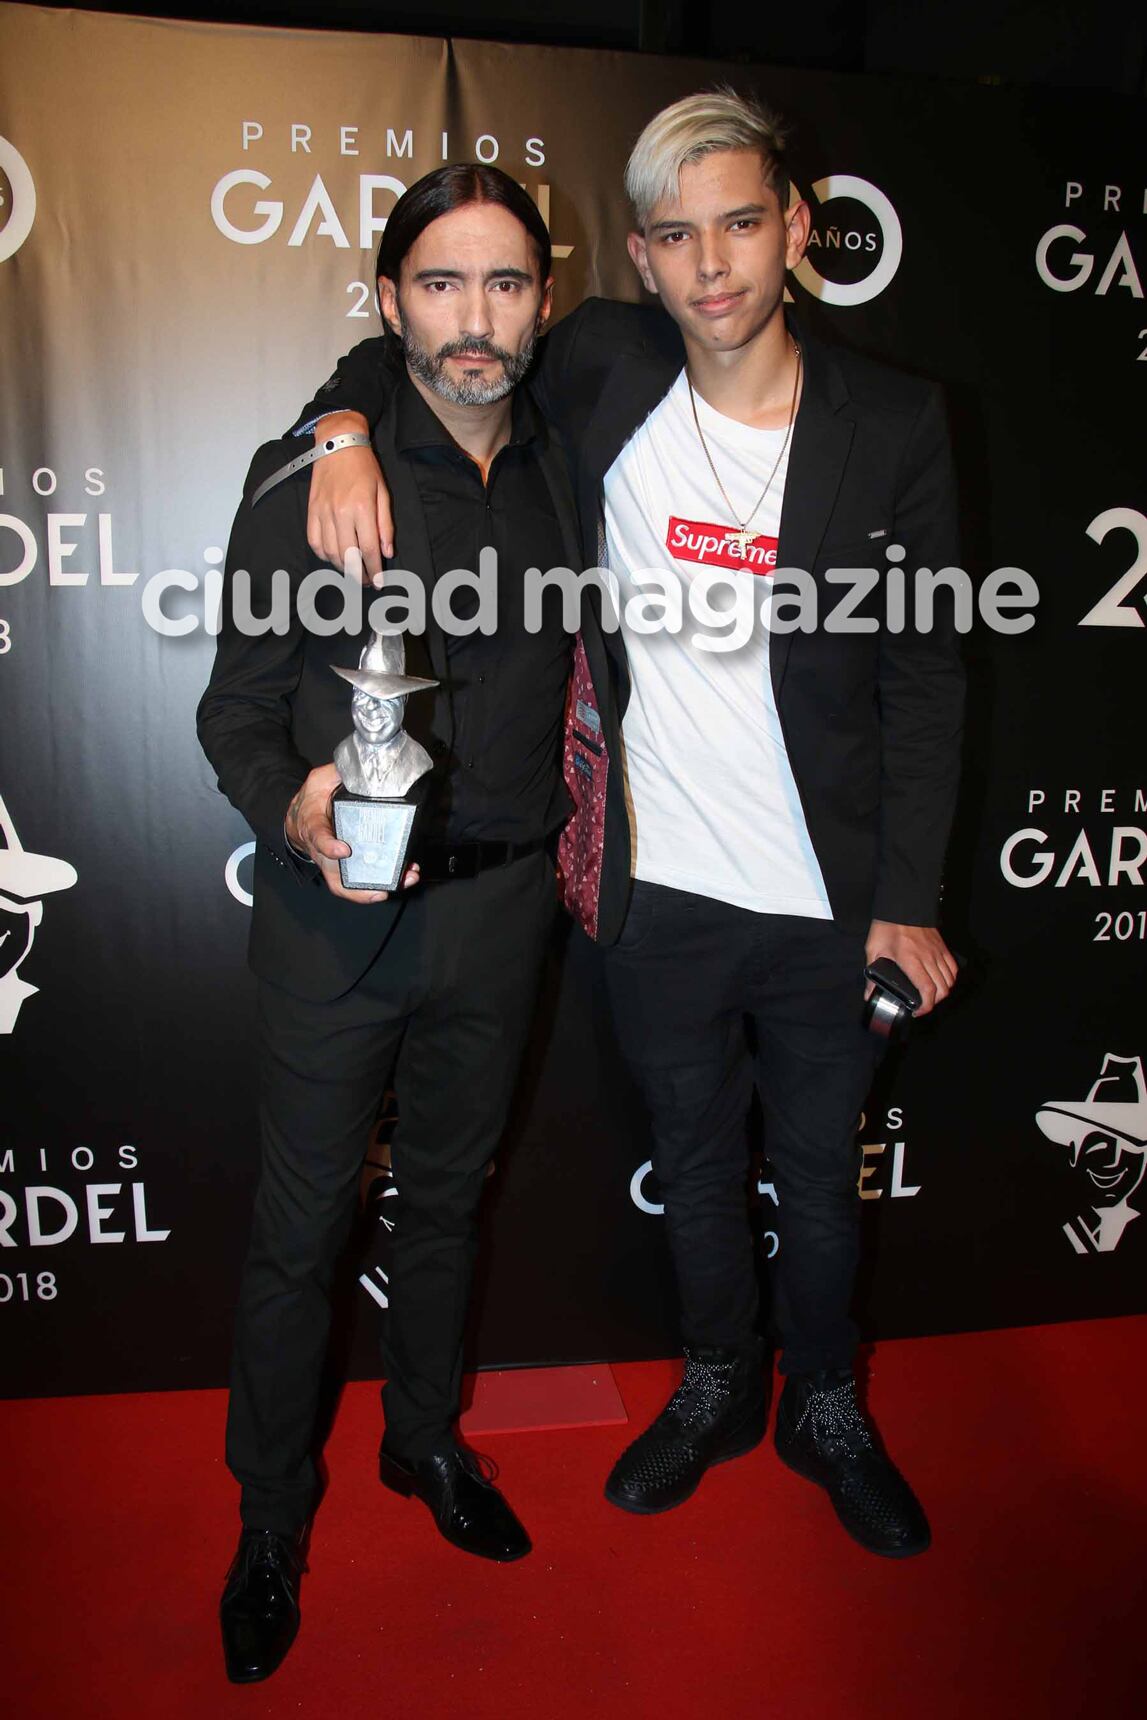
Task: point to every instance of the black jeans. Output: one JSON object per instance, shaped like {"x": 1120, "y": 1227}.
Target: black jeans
{"x": 444, "y": 1009}
{"x": 682, "y": 978}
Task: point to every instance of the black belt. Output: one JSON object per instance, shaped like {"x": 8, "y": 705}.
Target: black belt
{"x": 438, "y": 860}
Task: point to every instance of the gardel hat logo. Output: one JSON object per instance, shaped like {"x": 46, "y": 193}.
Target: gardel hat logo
{"x": 18, "y": 211}
{"x": 25, "y": 879}
{"x": 1107, "y": 1135}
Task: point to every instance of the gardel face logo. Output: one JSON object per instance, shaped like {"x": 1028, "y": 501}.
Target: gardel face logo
{"x": 1107, "y": 1135}
{"x": 25, "y": 879}
{"x": 17, "y": 211}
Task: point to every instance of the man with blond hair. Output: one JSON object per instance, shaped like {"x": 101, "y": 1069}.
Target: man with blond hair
{"x": 788, "y": 802}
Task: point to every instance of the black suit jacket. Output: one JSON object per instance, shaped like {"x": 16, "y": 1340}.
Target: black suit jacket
{"x": 872, "y": 722}
{"x": 274, "y": 709}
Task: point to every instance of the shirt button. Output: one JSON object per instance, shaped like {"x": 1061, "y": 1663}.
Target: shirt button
{"x": 481, "y": 679}
{"x": 469, "y": 764}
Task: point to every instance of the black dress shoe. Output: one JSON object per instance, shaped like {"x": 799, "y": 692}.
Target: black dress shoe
{"x": 259, "y": 1611}
{"x": 717, "y": 1412}
{"x": 823, "y": 1434}
{"x": 465, "y": 1504}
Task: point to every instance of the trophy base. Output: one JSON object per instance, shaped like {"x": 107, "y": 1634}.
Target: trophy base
{"x": 378, "y": 832}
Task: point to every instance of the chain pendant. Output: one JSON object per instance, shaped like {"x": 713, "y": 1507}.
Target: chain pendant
{"x": 743, "y": 537}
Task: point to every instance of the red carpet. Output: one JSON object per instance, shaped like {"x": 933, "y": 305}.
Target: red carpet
{"x": 1027, "y": 1447}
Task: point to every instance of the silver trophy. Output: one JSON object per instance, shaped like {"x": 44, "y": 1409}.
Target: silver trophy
{"x": 378, "y": 764}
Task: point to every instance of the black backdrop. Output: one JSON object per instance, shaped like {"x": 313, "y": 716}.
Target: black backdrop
{"x": 151, "y": 349}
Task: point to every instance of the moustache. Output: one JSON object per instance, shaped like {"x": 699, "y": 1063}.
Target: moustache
{"x": 480, "y": 348}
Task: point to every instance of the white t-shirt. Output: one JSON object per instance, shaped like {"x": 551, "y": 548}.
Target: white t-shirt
{"x": 715, "y": 804}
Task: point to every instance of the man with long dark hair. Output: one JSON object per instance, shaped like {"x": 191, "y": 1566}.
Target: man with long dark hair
{"x": 431, "y": 988}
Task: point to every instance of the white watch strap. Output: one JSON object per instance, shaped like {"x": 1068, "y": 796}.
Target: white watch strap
{"x": 330, "y": 445}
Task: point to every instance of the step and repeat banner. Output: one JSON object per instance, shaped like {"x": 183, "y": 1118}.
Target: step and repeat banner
{"x": 188, "y": 220}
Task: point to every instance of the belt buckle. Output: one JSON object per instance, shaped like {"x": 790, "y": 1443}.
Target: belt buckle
{"x": 463, "y": 861}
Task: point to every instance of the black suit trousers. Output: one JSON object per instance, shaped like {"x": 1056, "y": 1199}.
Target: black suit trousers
{"x": 683, "y": 978}
{"x": 442, "y": 1013}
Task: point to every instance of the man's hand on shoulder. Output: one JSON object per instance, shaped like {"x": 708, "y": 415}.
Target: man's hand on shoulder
{"x": 310, "y": 832}
{"x": 349, "y": 508}
{"x": 922, "y": 954}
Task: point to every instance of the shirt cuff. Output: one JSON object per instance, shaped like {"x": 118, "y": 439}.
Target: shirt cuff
{"x": 297, "y": 852}
{"x": 308, "y": 428}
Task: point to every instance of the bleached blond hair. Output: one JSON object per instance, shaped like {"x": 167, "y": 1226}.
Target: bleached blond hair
{"x": 700, "y": 125}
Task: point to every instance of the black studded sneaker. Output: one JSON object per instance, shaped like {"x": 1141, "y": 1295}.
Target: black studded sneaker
{"x": 824, "y": 1435}
{"x": 717, "y": 1412}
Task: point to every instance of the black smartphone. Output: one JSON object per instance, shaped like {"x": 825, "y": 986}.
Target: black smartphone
{"x": 887, "y": 977}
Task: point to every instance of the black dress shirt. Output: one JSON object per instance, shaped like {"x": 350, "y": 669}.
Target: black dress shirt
{"x": 501, "y": 780}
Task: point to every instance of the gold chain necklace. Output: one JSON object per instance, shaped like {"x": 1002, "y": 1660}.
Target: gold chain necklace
{"x": 744, "y": 535}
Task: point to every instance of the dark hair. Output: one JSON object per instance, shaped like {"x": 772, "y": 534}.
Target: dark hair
{"x": 450, "y": 188}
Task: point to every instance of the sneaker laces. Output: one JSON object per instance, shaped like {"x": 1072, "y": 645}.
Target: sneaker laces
{"x": 703, "y": 1389}
{"x": 835, "y": 1415}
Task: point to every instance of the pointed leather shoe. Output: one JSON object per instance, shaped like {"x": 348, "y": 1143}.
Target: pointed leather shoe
{"x": 717, "y": 1412}
{"x": 466, "y": 1506}
{"x": 823, "y": 1434}
{"x": 259, "y": 1611}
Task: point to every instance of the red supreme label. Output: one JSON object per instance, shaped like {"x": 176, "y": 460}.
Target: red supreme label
{"x": 719, "y": 546}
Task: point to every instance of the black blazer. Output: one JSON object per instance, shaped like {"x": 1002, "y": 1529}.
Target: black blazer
{"x": 274, "y": 709}
{"x": 872, "y": 722}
